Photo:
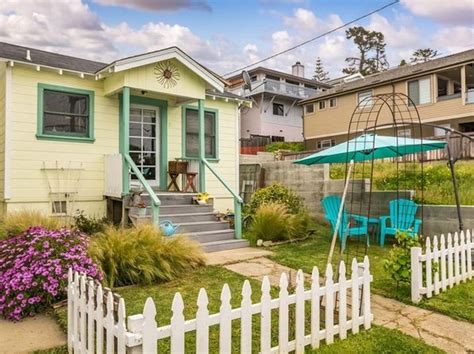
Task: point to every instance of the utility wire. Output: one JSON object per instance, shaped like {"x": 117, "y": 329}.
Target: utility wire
{"x": 315, "y": 38}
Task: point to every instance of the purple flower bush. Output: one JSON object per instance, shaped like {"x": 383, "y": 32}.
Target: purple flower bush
{"x": 34, "y": 267}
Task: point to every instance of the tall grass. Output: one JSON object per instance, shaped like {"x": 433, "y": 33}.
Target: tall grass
{"x": 16, "y": 222}
{"x": 435, "y": 179}
{"x": 271, "y": 223}
{"x": 143, "y": 255}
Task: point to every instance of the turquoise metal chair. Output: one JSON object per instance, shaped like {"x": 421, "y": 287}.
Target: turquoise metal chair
{"x": 331, "y": 206}
{"x": 402, "y": 218}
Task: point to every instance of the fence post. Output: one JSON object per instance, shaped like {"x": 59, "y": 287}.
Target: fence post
{"x": 416, "y": 274}
{"x": 135, "y": 325}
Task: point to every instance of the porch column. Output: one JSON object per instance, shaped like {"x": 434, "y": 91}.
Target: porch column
{"x": 124, "y": 139}
{"x": 463, "y": 85}
{"x": 202, "y": 147}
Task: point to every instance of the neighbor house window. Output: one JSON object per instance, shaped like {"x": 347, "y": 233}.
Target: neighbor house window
{"x": 327, "y": 143}
{"x": 442, "y": 87}
{"x": 364, "y": 99}
{"x": 191, "y": 129}
{"x": 309, "y": 108}
{"x": 65, "y": 113}
{"x": 278, "y": 109}
{"x": 322, "y": 105}
{"x": 419, "y": 91}
{"x": 333, "y": 102}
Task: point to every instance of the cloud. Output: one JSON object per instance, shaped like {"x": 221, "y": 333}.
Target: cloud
{"x": 460, "y": 12}
{"x": 159, "y": 5}
{"x": 304, "y": 20}
{"x": 450, "y": 40}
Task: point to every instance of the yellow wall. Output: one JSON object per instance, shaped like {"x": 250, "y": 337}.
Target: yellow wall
{"x": 3, "y": 68}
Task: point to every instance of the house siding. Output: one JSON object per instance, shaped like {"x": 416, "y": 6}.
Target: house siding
{"x": 3, "y": 83}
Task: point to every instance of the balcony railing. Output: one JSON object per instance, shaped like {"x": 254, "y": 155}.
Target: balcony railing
{"x": 281, "y": 88}
{"x": 470, "y": 96}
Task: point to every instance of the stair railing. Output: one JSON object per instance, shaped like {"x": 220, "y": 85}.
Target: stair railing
{"x": 237, "y": 201}
{"x": 155, "y": 201}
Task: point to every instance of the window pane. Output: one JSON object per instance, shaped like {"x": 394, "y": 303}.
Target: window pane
{"x": 278, "y": 109}
{"x": 149, "y": 158}
{"x": 135, "y": 115}
{"x": 192, "y": 121}
{"x": 209, "y": 142}
{"x": 66, "y": 102}
{"x": 149, "y": 116}
{"x": 136, "y": 157}
{"x": 149, "y": 172}
{"x": 192, "y": 133}
{"x": 365, "y": 97}
{"x": 425, "y": 91}
{"x": 58, "y": 123}
{"x": 209, "y": 120}
{"x": 192, "y": 145}
{"x": 135, "y": 129}
{"x": 135, "y": 144}
{"x": 149, "y": 144}
{"x": 149, "y": 130}
{"x": 414, "y": 92}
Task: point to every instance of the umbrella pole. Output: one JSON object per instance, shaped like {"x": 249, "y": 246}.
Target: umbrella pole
{"x": 339, "y": 215}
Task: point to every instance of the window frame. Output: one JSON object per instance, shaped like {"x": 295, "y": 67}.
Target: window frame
{"x": 306, "y": 108}
{"x": 216, "y": 133}
{"x": 335, "y": 100}
{"x": 429, "y": 78}
{"x": 282, "y": 106}
{"x": 40, "y": 134}
{"x": 319, "y": 105}
{"x": 367, "y": 105}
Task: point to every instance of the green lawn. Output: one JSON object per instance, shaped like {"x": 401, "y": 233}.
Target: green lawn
{"x": 457, "y": 302}
{"x": 212, "y": 278}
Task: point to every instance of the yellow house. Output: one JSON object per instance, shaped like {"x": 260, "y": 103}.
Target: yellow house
{"x": 81, "y": 135}
{"x": 442, "y": 90}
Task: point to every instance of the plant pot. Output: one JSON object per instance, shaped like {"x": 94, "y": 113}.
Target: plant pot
{"x": 201, "y": 202}
{"x": 140, "y": 211}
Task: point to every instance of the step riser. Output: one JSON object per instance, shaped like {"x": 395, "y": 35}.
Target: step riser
{"x": 203, "y": 228}
{"x": 225, "y": 246}
{"x": 167, "y": 210}
{"x": 170, "y": 200}
{"x": 177, "y": 219}
{"x": 203, "y": 239}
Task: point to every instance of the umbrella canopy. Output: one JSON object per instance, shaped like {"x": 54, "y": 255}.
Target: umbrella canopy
{"x": 371, "y": 147}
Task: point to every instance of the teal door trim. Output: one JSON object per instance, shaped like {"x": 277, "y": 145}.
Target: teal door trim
{"x": 202, "y": 147}
{"x": 163, "y": 108}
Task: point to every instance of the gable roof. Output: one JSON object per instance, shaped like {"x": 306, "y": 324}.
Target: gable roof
{"x": 396, "y": 74}
{"x": 59, "y": 61}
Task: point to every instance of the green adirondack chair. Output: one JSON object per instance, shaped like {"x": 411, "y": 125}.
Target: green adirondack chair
{"x": 331, "y": 206}
{"x": 402, "y": 218}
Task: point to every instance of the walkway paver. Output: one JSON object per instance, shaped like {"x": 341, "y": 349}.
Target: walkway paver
{"x": 235, "y": 256}
{"x": 30, "y": 334}
{"x": 438, "y": 330}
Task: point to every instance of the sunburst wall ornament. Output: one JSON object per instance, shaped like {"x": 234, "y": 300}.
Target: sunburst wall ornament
{"x": 167, "y": 74}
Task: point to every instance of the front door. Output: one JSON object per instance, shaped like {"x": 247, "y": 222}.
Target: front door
{"x": 144, "y": 143}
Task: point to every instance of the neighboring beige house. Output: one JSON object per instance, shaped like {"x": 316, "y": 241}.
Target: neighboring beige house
{"x": 442, "y": 89}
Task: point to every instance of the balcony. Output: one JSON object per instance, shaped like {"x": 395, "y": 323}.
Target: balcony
{"x": 280, "y": 88}
{"x": 470, "y": 96}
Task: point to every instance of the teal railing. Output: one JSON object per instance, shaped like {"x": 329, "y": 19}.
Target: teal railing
{"x": 237, "y": 201}
{"x": 155, "y": 201}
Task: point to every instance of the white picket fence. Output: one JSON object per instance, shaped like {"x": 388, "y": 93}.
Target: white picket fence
{"x": 96, "y": 327}
{"x": 445, "y": 264}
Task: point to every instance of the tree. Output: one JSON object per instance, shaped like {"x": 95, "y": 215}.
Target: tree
{"x": 371, "y": 45}
{"x": 319, "y": 73}
{"x": 402, "y": 62}
{"x": 423, "y": 55}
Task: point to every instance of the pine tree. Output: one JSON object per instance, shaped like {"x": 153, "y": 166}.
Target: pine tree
{"x": 423, "y": 55}
{"x": 402, "y": 62}
{"x": 319, "y": 73}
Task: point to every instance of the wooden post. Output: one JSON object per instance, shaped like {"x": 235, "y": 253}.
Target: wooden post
{"x": 202, "y": 147}
{"x": 416, "y": 274}
{"x": 124, "y": 139}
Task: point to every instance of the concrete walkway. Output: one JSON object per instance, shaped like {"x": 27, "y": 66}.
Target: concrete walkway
{"x": 30, "y": 334}
{"x": 435, "y": 329}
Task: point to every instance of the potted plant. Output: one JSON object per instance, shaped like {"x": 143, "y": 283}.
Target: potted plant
{"x": 202, "y": 198}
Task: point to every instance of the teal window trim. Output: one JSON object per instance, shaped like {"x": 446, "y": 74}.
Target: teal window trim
{"x": 163, "y": 106}
{"x": 183, "y": 133}
{"x": 64, "y": 137}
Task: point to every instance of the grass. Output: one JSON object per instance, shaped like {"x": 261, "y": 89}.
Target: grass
{"x": 437, "y": 185}
{"x": 457, "y": 302}
{"x": 212, "y": 278}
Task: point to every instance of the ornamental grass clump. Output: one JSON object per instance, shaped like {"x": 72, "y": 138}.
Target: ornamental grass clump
{"x": 34, "y": 268}
{"x": 142, "y": 255}
{"x": 17, "y": 222}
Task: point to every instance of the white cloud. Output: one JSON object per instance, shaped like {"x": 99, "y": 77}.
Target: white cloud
{"x": 304, "y": 20}
{"x": 251, "y": 52}
{"x": 454, "y": 12}
{"x": 159, "y": 5}
{"x": 450, "y": 40}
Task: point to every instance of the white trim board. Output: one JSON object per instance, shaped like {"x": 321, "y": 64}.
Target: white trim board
{"x": 8, "y": 130}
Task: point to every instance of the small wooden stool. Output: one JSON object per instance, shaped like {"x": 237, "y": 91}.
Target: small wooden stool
{"x": 175, "y": 168}
{"x": 190, "y": 178}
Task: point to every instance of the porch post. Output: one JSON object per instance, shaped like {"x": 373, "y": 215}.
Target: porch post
{"x": 202, "y": 147}
{"x": 124, "y": 139}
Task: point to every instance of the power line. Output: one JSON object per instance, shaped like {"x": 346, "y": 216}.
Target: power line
{"x": 315, "y": 38}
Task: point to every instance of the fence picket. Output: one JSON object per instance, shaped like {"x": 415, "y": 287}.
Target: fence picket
{"x": 99, "y": 316}
{"x": 283, "y": 315}
{"x": 225, "y": 333}
{"x": 428, "y": 276}
{"x": 443, "y": 253}
{"x": 329, "y": 310}
{"x": 90, "y": 318}
{"x": 469, "y": 248}
{"x": 315, "y": 308}
{"x": 355, "y": 296}
{"x": 76, "y": 313}
{"x": 70, "y": 316}
{"x": 457, "y": 273}
{"x": 149, "y": 327}
{"x": 121, "y": 327}
{"x": 109, "y": 324}
{"x": 246, "y": 319}
{"x": 265, "y": 320}
{"x": 342, "y": 301}
{"x": 299, "y": 313}
{"x": 436, "y": 262}
{"x": 366, "y": 293}
{"x": 450, "y": 261}
{"x": 202, "y": 321}
{"x": 177, "y": 324}
{"x": 83, "y": 314}
{"x": 462, "y": 249}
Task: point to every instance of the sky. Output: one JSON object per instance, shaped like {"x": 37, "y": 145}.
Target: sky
{"x": 226, "y": 35}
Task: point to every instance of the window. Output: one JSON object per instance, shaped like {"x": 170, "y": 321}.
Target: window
{"x": 364, "y": 99}
{"x": 65, "y": 113}
{"x": 59, "y": 207}
{"x": 276, "y": 138}
{"x": 322, "y": 105}
{"x": 442, "y": 87}
{"x": 191, "y": 127}
{"x": 419, "y": 91}
{"x": 278, "y": 109}
{"x": 327, "y": 143}
{"x": 404, "y": 133}
{"x": 333, "y": 102}
{"x": 457, "y": 88}
{"x": 309, "y": 108}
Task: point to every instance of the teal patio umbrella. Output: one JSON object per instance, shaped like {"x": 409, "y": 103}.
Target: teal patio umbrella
{"x": 371, "y": 147}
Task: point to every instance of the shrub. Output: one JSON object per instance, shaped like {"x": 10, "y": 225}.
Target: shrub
{"x": 285, "y": 145}
{"x": 271, "y": 223}
{"x": 17, "y": 222}
{"x": 143, "y": 255}
{"x": 398, "y": 264}
{"x": 34, "y": 267}
{"x": 301, "y": 223}
{"x": 88, "y": 224}
{"x": 275, "y": 193}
